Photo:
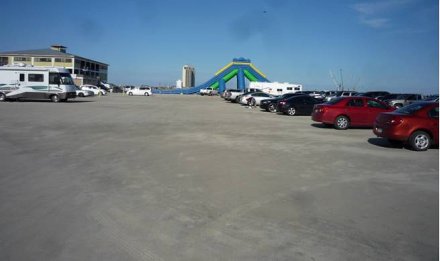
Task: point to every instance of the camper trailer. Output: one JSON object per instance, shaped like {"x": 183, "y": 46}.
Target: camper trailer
{"x": 25, "y": 82}
{"x": 275, "y": 88}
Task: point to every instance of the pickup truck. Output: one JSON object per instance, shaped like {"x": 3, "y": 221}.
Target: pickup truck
{"x": 208, "y": 91}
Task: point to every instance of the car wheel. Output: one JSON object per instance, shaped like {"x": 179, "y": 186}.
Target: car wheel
{"x": 55, "y": 98}
{"x": 81, "y": 94}
{"x": 291, "y": 111}
{"x": 146, "y": 94}
{"x": 272, "y": 108}
{"x": 130, "y": 94}
{"x": 419, "y": 141}
{"x": 342, "y": 123}
{"x": 2, "y": 97}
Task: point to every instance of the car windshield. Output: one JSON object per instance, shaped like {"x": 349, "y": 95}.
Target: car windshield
{"x": 410, "y": 109}
{"x": 66, "y": 79}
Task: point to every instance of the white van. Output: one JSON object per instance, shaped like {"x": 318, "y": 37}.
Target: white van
{"x": 24, "y": 82}
{"x": 143, "y": 90}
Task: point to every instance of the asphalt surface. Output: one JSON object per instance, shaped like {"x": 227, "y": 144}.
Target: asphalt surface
{"x": 198, "y": 178}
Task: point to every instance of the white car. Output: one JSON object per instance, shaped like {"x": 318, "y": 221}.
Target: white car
{"x": 258, "y": 97}
{"x": 208, "y": 91}
{"x": 244, "y": 98}
{"x": 83, "y": 93}
{"x": 144, "y": 91}
{"x": 96, "y": 90}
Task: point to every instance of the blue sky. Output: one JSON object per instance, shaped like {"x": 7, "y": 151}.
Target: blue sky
{"x": 387, "y": 44}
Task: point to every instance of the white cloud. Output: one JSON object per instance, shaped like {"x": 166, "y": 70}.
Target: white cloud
{"x": 369, "y": 12}
{"x": 375, "y": 22}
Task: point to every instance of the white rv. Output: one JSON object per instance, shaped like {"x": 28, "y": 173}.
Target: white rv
{"x": 275, "y": 88}
{"x": 24, "y": 82}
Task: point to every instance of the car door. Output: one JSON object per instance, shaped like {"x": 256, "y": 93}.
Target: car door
{"x": 356, "y": 111}
{"x": 306, "y": 104}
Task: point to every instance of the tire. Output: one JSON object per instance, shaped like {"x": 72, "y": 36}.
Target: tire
{"x": 2, "y": 97}
{"x": 291, "y": 111}
{"x": 272, "y": 108}
{"x": 80, "y": 94}
{"x": 342, "y": 123}
{"x": 55, "y": 98}
{"x": 130, "y": 94}
{"x": 419, "y": 141}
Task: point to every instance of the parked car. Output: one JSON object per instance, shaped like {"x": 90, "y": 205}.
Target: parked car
{"x": 340, "y": 94}
{"x": 256, "y": 99}
{"x": 433, "y": 98}
{"x": 231, "y": 94}
{"x": 143, "y": 91}
{"x": 345, "y": 112}
{"x": 271, "y": 104}
{"x": 83, "y": 93}
{"x": 387, "y": 97}
{"x": 240, "y": 96}
{"x": 96, "y": 90}
{"x": 415, "y": 124}
{"x": 244, "y": 98}
{"x": 297, "y": 105}
{"x": 373, "y": 94}
{"x": 315, "y": 94}
{"x": 404, "y": 99}
{"x": 117, "y": 89}
{"x": 208, "y": 91}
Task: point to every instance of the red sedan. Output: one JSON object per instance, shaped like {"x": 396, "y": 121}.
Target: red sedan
{"x": 415, "y": 124}
{"x": 348, "y": 112}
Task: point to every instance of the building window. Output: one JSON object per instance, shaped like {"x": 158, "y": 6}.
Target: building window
{"x": 22, "y": 59}
{"x": 289, "y": 88}
{"x": 76, "y": 71}
{"x": 43, "y": 60}
{"x": 3, "y": 60}
{"x": 63, "y": 60}
{"x": 21, "y": 77}
{"x": 32, "y": 77}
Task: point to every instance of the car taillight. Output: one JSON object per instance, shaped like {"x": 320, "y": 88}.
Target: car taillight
{"x": 321, "y": 109}
{"x": 396, "y": 121}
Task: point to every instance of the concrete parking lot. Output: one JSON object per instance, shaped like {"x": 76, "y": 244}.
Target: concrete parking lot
{"x": 198, "y": 178}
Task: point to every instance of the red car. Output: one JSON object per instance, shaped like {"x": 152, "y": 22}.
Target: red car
{"x": 415, "y": 124}
{"x": 348, "y": 112}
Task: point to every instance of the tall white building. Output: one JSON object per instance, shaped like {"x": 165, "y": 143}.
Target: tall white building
{"x": 188, "y": 76}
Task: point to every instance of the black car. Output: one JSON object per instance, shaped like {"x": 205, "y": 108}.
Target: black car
{"x": 373, "y": 94}
{"x": 271, "y": 104}
{"x": 297, "y": 105}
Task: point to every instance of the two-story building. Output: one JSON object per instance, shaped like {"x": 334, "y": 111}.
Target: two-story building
{"x": 83, "y": 70}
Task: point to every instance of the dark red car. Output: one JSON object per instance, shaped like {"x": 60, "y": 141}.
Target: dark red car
{"x": 415, "y": 124}
{"x": 348, "y": 112}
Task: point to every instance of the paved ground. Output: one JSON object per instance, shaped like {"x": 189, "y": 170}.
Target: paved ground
{"x": 196, "y": 178}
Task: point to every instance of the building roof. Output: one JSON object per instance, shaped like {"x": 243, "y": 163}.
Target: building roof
{"x": 46, "y": 52}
